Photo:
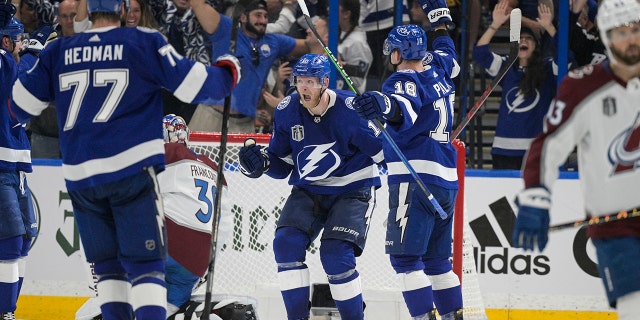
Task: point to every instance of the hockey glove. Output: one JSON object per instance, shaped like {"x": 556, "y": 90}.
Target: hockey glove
{"x": 532, "y": 223}
{"x": 437, "y": 12}
{"x": 39, "y": 38}
{"x": 7, "y": 10}
{"x": 254, "y": 160}
{"x": 375, "y": 105}
{"x": 232, "y": 64}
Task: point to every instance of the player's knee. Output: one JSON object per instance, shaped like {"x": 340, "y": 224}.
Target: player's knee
{"x": 337, "y": 256}
{"x": 437, "y": 266}
{"x": 405, "y": 263}
{"x": 108, "y": 267}
{"x": 413, "y": 280}
{"x": 148, "y": 269}
{"x": 289, "y": 245}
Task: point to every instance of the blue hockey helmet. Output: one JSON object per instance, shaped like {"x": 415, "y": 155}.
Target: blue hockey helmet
{"x": 108, "y": 6}
{"x": 175, "y": 129}
{"x": 13, "y": 29}
{"x": 312, "y": 65}
{"x": 409, "y": 39}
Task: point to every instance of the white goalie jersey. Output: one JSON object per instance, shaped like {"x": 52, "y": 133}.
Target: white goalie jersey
{"x": 188, "y": 187}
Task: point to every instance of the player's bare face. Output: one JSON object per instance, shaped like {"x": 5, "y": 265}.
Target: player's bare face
{"x": 625, "y": 43}
{"x": 257, "y": 22}
{"x": 134, "y": 14}
{"x": 527, "y": 46}
{"x": 310, "y": 90}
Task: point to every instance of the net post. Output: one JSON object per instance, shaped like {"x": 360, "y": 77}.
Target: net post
{"x": 458, "y": 215}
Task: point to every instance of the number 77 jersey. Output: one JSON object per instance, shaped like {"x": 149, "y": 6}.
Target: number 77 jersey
{"x": 107, "y": 86}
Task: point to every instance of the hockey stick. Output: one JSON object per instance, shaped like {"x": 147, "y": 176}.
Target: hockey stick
{"x": 378, "y": 124}
{"x": 515, "y": 19}
{"x": 215, "y": 224}
{"x": 633, "y": 213}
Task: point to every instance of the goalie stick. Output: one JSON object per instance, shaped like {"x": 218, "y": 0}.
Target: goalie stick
{"x": 215, "y": 224}
{"x": 515, "y": 19}
{"x": 633, "y": 213}
{"x": 376, "y": 122}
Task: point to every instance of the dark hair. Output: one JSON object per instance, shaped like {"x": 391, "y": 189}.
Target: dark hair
{"x": 354, "y": 7}
{"x": 146, "y": 17}
{"x": 534, "y": 73}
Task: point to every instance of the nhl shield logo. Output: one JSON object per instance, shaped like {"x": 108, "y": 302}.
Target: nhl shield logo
{"x": 297, "y": 133}
{"x": 609, "y": 106}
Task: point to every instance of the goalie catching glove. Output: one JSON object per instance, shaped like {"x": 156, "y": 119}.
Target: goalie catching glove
{"x": 254, "y": 160}
{"x": 376, "y": 105}
{"x": 232, "y": 64}
{"x": 532, "y": 222}
{"x": 438, "y": 13}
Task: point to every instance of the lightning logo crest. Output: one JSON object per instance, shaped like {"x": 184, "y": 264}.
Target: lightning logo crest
{"x": 320, "y": 157}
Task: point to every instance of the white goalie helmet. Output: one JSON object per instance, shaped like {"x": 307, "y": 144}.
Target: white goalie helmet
{"x": 175, "y": 129}
{"x": 613, "y": 14}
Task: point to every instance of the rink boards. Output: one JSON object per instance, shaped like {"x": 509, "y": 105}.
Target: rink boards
{"x": 560, "y": 283}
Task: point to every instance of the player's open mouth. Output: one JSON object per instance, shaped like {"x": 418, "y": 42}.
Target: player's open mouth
{"x": 306, "y": 97}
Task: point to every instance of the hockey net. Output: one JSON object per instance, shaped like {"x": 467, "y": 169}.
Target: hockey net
{"x": 246, "y": 264}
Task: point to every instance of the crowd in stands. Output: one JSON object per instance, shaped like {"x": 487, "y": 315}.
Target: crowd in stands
{"x": 274, "y": 34}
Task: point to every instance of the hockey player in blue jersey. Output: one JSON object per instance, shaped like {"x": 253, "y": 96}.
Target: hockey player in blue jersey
{"x": 18, "y": 224}
{"x": 416, "y": 103}
{"x": 330, "y": 156}
{"x": 106, "y": 83}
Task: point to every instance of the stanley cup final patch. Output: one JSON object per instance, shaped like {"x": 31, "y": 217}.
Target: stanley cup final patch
{"x": 609, "y": 106}
{"x": 297, "y": 133}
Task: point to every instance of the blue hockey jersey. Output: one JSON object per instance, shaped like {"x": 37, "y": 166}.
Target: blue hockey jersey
{"x": 328, "y": 154}
{"x": 15, "y": 150}
{"x": 107, "y": 85}
{"x": 520, "y": 117}
{"x": 426, "y": 100}
{"x": 256, "y": 58}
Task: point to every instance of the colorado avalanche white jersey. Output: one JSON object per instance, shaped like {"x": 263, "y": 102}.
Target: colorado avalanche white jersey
{"x": 426, "y": 99}
{"x": 188, "y": 187}
{"x": 328, "y": 154}
{"x": 600, "y": 114}
{"x": 107, "y": 86}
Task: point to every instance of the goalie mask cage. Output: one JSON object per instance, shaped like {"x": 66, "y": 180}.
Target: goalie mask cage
{"x": 246, "y": 263}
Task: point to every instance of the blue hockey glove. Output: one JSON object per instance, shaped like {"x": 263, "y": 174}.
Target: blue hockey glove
{"x": 7, "y": 10}
{"x": 254, "y": 160}
{"x": 39, "y": 38}
{"x": 374, "y": 105}
{"x": 532, "y": 223}
{"x": 437, "y": 12}
{"x": 232, "y": 64}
